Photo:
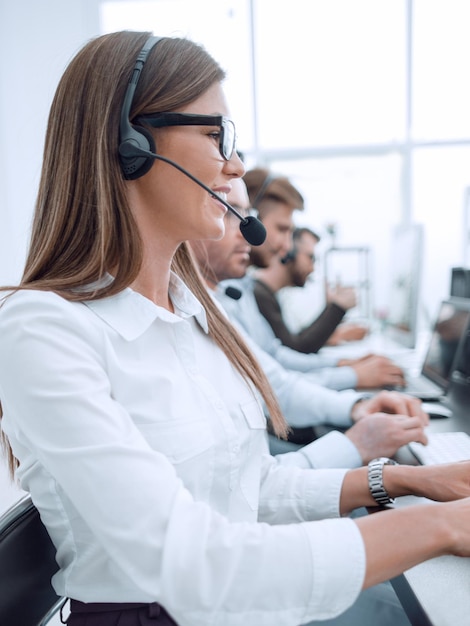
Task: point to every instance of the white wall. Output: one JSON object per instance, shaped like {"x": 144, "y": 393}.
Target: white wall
{"x": 37, "y": 39}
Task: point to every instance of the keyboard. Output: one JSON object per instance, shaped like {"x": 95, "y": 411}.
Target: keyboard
{"x": 442, "y": 448}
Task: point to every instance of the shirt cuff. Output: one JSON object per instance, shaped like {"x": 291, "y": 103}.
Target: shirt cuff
{"x": 337, "y": 378}
{"x": 333, "y": 450}
{"x": 338, "y": 413}
{"x": 338, "y": 555}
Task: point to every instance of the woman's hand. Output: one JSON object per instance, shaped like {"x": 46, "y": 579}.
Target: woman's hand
{"x": 398, "y": 539}
{"x": 441, "y": 483}
{"x": 458, "y": 519}
{"x": 435, "y": 482}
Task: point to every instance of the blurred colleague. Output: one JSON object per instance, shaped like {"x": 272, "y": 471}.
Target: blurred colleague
{"x": 276, "y": 199}
{"x": 384, "y": 422}
{"x": 293, "y": 270}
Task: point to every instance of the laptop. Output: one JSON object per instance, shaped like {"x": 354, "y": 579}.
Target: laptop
{"x": 450, "y": 325}
{"x": 460, "y": 374}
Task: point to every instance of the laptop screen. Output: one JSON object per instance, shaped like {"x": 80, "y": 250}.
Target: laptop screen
{"x": 461, "y": 368}
{"x": 451, "y": 323}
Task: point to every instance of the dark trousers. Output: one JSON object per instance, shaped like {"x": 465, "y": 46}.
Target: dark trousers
{"x": 118, "y": 614}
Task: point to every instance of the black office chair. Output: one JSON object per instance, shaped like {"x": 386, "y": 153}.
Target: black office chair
{"x": 27, "y": 563}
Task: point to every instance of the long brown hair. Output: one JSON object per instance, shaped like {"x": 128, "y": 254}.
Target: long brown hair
{"x": 83, "y": 226}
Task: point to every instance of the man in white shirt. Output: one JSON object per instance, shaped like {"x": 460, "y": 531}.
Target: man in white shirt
{"x": 305, "y": 403}
{"x": 276, "y": 199}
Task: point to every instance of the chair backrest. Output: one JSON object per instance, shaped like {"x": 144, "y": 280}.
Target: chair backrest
{"x": 27, "y": 563}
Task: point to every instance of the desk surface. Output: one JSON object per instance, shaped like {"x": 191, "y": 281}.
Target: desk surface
{"x": 440, "y": 587}
{"x": 437, "y": 592}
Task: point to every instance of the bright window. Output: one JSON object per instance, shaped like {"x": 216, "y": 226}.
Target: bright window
{"x": 364, "y": 103}
{"x": 441, "y": 54}
{"x": 330, "y": 72}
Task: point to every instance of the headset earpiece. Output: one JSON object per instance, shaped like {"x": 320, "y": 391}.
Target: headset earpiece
{"x": 136, "y": 166}
{"x": 131, "y": 137}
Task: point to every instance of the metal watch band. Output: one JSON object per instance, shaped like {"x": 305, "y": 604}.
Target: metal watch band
{"x": 375, "y": 476}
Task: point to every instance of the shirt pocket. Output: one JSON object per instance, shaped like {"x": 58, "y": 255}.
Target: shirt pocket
{"x": 253, "y": 451}
{"x": 179, "y": 440}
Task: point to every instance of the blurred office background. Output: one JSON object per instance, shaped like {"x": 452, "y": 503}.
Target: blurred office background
{"x": 365, "y": 104}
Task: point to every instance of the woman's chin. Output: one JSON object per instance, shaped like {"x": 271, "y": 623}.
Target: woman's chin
{"x": 216, "y": 232}
{"x": 212, "y": 229}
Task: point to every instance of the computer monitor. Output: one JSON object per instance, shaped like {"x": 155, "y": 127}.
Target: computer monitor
{"x": 405, "y": 283}
{"x": 461, "y": 367}
{"x": 450, "y": 327}
{"x": 460, "y": 282}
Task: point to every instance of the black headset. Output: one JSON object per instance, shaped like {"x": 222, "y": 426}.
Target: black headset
{"x": 290, "y": 256}
{"x": 261, "y": 191}
{"x": 137, "y": 151}
{"x": 133, "y": 137}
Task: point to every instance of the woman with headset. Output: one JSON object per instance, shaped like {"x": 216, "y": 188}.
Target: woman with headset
{"x": 132, "y": 410}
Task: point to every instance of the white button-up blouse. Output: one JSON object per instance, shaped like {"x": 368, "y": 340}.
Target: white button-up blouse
{"x": 146, "y": 455}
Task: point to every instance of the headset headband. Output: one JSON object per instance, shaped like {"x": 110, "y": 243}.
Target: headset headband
{"x": 259, "y": 196}
{"x": 135, "y": 166}
{"x": 129, "y": 97}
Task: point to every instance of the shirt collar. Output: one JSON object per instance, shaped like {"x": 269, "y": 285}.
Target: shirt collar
{"x": 130, "y": 314}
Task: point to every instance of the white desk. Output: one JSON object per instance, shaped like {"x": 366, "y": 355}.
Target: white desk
{"x": 437, "y": 591}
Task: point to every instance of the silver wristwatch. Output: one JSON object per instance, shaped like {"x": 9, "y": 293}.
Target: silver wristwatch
{"x": 376, "y": 485}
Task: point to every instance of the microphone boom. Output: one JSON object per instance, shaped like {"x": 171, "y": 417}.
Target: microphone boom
{"x": 250, "y": 227}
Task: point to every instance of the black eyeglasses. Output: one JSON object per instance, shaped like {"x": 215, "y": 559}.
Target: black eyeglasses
{"x": 227, "y": 137}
